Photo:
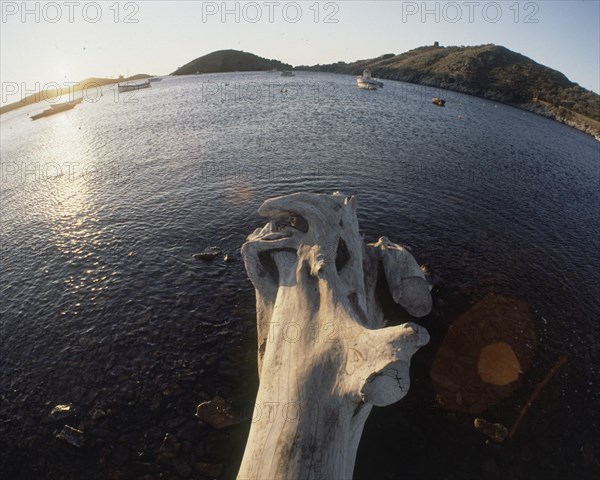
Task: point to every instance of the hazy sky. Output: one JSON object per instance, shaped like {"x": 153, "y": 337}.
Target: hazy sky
{"x": 58, "y": 41}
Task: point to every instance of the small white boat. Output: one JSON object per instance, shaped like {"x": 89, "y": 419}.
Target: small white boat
{"x": 287, "y": 73}
{"x": 128, "y": 87}
{"x": 367, "y": 82}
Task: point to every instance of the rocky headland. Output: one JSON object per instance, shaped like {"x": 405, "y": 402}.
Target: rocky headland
{"x": 488, "y": 71}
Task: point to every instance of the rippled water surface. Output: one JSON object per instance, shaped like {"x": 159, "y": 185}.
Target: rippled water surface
{"x": 103, "y": 306}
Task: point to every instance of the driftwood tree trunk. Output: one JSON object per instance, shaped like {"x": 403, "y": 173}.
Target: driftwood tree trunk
{"x": 324, "y": 358}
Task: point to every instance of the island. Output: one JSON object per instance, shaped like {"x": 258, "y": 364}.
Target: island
{"x": 223, "y": 61}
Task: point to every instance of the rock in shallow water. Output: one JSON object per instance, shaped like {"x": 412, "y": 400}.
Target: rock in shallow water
{"x": 496, "y": 431}
{"x": 170, "y": 446}
{"x": 212, "y": 470}
{"x": 217, "y": 413}
{"x": 182, "y": 467}
{"x": 119, "y": 455}
{"x": 72, "y": 436}
{"x": 60, "y": 412}
{"x": 208, "y": 254}
{"x": 97, "y": 414}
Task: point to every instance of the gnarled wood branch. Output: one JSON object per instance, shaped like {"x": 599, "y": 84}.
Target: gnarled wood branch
{"x": 324, "y": 358}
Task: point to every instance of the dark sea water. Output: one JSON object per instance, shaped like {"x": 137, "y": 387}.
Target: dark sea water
{"x": 103, "y": 307}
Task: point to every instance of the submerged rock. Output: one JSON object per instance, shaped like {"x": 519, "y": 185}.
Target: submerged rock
{"x": 97, "y": 413}
{"x": 435, "y": 282}
{"x": 119, "y": 455}
{"x": 218, "y": 413}
{"x": 72, "y": 436}
{"x": 170, "y": 447}
{"x": 208, "y": 254}
{"x": 212, "y": 470}
{"x": 496, "y": 431}
{"x": 182, "y": 467}
{"x": 60, "y": 412}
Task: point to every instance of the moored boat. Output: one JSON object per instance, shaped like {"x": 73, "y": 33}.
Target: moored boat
{"x": 367, "y": 82}
{"x": 287, "y": 73}
{"x": 128, "y": 87}
{"x": 440, "y": 102}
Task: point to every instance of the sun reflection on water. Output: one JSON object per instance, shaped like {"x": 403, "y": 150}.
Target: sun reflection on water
{"x": 75, "y": 226}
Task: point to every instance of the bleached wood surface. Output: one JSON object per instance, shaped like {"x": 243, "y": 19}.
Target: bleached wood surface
{"x": 324, "y": 357}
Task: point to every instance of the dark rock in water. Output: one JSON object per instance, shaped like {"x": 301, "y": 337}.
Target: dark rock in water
{"x": 496, "y": 431}
{"x": 182, "y": 467}
{"x": 185, "y": 375}
{"x": 174, "y": 422}
{"x": 60, "y": 412}
{"x": 489, "y": 466}
{"x": 212, "y": 470}
{"x": 139, "y": 469}
{"x": 217, "y": 413}
{"x": 170, "y": 446}
{"x": 210, "y": 358}
{"x": 526, "y": 454}
{"x": 588, "y": 451}
{"x": 97, "y": 414}
{"x": 156, "y": 403}
{"x": 119, "y": 455}
{"x": 186, "y": 446}
{"x": 208, "y": 254}
{"x": 434, "y": 280}
{"x": 72, "y": 436}
{"x": 190, "y": 431}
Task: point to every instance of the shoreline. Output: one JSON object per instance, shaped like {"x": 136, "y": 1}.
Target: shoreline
{"x": 559, "y": 114}
{"x": 45, "y": 95}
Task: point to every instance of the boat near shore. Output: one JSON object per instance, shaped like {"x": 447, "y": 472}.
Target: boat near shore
{"x": 440, "y": 102}
{"x": 366, "y": 82}
{"x": 128, "y": 87}
{"x": 287, "y": 73}
{"x": 57, "y": 108}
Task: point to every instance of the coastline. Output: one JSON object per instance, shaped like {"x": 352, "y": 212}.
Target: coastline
{"x": 559, "y": 114}
{"x": 42, "y": 95}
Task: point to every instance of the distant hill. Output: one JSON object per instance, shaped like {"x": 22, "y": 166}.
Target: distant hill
{"x": 230, "y": 61}
{"x": 56, "y": 93}
{"x": 487, "y": 71}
